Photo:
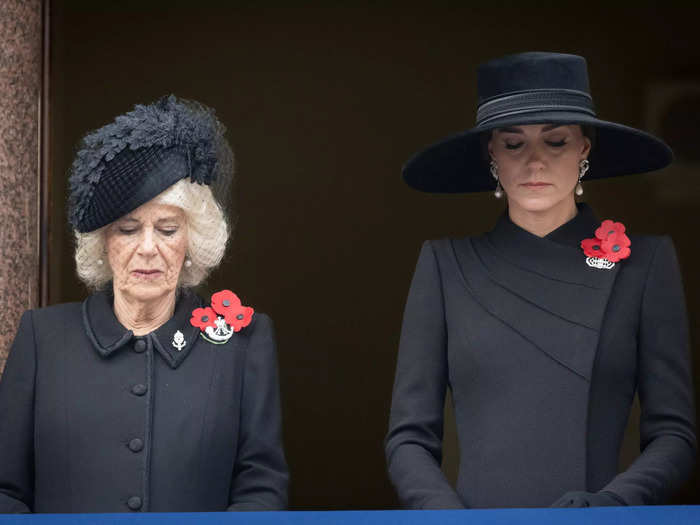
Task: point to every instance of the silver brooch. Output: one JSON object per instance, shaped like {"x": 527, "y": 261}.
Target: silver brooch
{"x": 599, "y": 263}
{"x": 220, "y": 334}
{"x": 179, "y": 341}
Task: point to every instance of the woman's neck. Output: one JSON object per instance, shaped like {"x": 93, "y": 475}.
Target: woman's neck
{"x": 143, "y": 317}
{"x": 543, "y": 222}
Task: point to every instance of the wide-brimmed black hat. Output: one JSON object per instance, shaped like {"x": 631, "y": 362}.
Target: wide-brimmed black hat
{"x": 532, "y": 88}
{"x": 128, "y": 162}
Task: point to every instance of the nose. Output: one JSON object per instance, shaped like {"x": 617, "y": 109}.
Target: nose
{"x": 535, "y": 160}
{"x": 147, "y": 245}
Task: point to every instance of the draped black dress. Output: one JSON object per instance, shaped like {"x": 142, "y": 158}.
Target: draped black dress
{"x": 543, "y": 355}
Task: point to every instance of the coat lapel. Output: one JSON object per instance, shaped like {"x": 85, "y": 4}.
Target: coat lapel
{"x": 163, "y": 337}
{"x": 107, "y": 334}
{"x": 541, "y": 288}
{"x": 102, "y": 328}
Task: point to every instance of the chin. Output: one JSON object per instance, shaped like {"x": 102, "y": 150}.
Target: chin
{"x": 537, "y": 204}
{"x": 540, "y": 203}
{"x": 148, "y": 291}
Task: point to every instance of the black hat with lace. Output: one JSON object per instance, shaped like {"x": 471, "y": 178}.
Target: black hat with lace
{"x": 128, "y": 162}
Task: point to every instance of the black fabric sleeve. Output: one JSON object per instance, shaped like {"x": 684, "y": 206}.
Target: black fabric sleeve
{"x": 414, "y": 442}
{"x": 664, "y": 382}
{"x": 260, "y": 474}
{"x": 17, "y": 422}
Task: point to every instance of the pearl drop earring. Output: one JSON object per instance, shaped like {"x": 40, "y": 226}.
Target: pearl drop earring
{"x": 493, "y": 168}
{"x": 499, "y": 191}
{"x": 582, "y": 169}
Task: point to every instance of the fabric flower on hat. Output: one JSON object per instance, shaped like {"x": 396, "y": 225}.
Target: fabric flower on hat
{"x": 227, "y": 304}
{"x": 168, "y": 124}
{"x": 203, "y": 317}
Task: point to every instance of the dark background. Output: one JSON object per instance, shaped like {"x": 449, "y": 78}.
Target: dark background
{"x": 323, "y": 105}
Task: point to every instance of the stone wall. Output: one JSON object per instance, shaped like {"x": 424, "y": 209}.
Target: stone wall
{"x": 20, "y": 89}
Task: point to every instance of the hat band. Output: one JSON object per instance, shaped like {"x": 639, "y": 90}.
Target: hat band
{"x": 534, "y": 101}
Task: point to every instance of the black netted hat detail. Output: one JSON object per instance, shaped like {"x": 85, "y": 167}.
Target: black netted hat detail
{"x": 123, "y": 186}
{"x": 142, "y": 153}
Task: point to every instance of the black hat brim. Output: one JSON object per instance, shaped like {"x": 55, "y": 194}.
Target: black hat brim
{"x": 459, "y": 164}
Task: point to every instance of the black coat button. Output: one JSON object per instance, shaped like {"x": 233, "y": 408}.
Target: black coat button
{"x": 139, "y": 346}
{"x": 139, "y": 389}
{"x": 135, "y": 445}
{"x": 134, "y": 503}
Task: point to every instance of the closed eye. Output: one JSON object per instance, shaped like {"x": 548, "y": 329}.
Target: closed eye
{"x": 513, "y": 146}
{"x": 556, "y": 144}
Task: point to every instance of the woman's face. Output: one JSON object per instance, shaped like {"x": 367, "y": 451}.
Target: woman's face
{"x": 538, "y": 164}
{"x": 146, "y": 249}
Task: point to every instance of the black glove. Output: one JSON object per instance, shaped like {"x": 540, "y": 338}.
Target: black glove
{"x": 588, "y": 499}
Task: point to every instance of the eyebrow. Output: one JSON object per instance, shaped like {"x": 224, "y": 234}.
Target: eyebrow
{"x": 548, "y": 127}
{"x": 169, "y": 218}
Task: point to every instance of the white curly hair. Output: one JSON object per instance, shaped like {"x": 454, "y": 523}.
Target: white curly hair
{"x": 207, "y": 234}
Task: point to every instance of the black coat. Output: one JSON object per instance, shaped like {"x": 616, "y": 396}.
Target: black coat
{"x": 543, "y": 355}
{"x": 94, "y": 419}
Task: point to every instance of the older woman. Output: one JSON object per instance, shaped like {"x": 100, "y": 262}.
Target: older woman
{"x": 145, "y": 397}
{"x": 545, "y": 327}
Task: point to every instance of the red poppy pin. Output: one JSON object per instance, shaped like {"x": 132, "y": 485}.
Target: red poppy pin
{"x": 610, "y": 245}
{"x": 225, "y": 316}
